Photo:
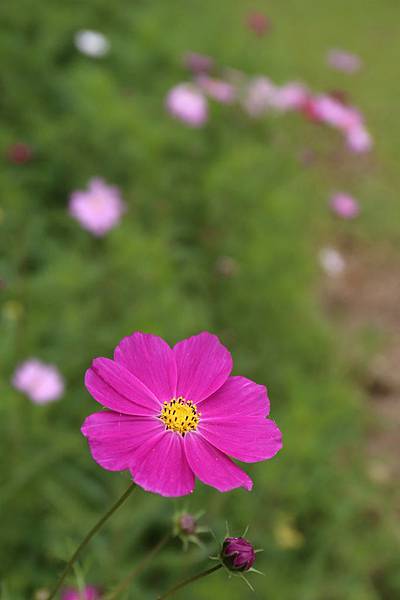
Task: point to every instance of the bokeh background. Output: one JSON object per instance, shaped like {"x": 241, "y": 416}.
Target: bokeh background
{"x": 223, "y": 232}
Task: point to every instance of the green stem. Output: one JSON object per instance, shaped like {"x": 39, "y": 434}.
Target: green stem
{"x": 89, "y": 536}
{"x": 189, "y": 580}
{"x": 139, "y": 567}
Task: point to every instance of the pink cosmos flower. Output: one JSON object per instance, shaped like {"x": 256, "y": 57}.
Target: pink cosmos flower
{"x": 89, "y": 593}
{"x": 358, "y": 139}
{"x": 41, "y": 382}
{"x": 259, "y": 23}
{"x": 344, "y": 61}
{"x": 344, "y": 205}
{"x": 99, "y": 208}
{"x": 188, "y": 104}
{"x": 258, "y": 96}
{"x": 19, "y": 153}
{"x": 335, "y": 113}
{"x": 198, "y": 63}
{"x": 176, "y": 414}
{"x": 219, "y": 90}
{"x": 291, "y": 96}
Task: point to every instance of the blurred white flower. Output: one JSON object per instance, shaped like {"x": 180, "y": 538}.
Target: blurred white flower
{"x": 258, "y": 96}
{"x": 92, "y": 43}
{"x": 332, "y": 261}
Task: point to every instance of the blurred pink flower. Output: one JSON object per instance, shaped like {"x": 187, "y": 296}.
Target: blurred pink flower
{"x": 333, "y": 112}
{"x": 89, "y": 593}
{"x": 258, "y": 22}
{"x": 41, "y": 382}
{"x": 291, "y": 96}
{"x": 19, "y": 153}
{"x": 99, "y": 208}
{"x": 344, "y": 61}
{"x": 219, "y": 90}
{"x": 344, "y": 205}
{"x": 188, "y": 104}
{"x": 258, "y": 95}
{"x": 177, "y": 413}
{"x": 359, "y": 139}
{"x": 198, "y": 63}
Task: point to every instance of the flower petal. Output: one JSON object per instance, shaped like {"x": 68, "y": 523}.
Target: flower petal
{"x": 238, "y": 395}
{"x": 160, "y": 466}
{"x": 212, "y": 466}
{"x": 116, "y": 388}
{"x": 114, "y": 437}
{"x": 151, "y": 360}
{"x": 203, "y": 363}
{"x": 249, "y": 439}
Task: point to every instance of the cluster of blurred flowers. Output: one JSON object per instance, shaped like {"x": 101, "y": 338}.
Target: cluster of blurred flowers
{"x": 259, "y": 95}
{"x": 100, "y": 207}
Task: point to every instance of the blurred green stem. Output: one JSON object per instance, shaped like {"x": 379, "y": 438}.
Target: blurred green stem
{"x": 89, "y": 536}
{"x": 138, "y": 568}
{"x": 189, "y": 580}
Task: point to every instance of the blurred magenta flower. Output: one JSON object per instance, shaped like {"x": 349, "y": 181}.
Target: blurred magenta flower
{"x": 198, "y": 63}
{"x": 344, "y": 61}
{"x": 344, "y": 205}
{"x": 41, "y": 382}
{"x": 188, "y": 104}
{"x": 19, "y": 153}
{"x": 238, "y": 554}
{"x": 89, "y": 593}
{"x": 92, "y": 43}
{"x": 258, "y": 96}
{"x": 219, "y": 90}
{"x": 175, "y": 414}
{"x": 258, "y": 23}
{"x": 99, "y": 208}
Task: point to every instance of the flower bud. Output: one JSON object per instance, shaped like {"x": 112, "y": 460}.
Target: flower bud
{"x": 237, "y": 554}
{"x": 187, "y": 524}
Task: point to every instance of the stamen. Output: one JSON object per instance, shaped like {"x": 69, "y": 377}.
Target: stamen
{"x": 180, "y": 416}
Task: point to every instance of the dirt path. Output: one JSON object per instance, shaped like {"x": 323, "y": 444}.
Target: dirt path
{"x": 365, "y": 302}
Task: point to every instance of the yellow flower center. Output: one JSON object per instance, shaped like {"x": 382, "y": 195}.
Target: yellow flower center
{"x": 180, "y": 415}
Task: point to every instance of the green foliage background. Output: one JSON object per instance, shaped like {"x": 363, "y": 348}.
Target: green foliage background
{"x": 235, "y": 188}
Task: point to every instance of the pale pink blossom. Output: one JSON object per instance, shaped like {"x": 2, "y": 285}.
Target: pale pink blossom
{"x": 258, "y": 96}
{"x": 290, "y": 96}
{"x": 99, "y": 208}
{"x": 344, "y": 61}
{"x": 217, "y": 89}
{"x": 359, "y": 139}
{"x": 188, "y": 104}
{"x": 41, "y": 382}
{"x": 344, "y": 205}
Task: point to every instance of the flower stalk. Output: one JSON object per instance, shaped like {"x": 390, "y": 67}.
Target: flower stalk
{"x": 189, "y": 580}
{"x": 138, "y": 568}
{"x": 88, "y": 537}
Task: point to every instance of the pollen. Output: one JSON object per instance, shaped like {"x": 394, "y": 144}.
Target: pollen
{"x": 180, "y": 415}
